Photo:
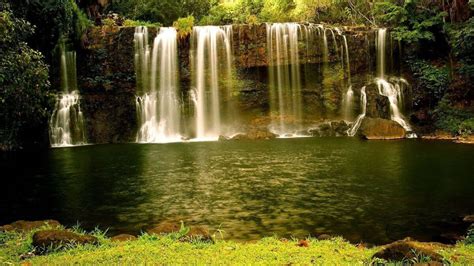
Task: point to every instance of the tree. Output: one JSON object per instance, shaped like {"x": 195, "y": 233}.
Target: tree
{"x": 24, "y": 97}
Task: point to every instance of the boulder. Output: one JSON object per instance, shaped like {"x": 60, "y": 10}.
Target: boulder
{"x": 340, "y": 127}
{"x": 255, "y": 134}
{"x": 42, "y": 240}
{"x": 27, "y": 226}
{"x": 324, "y": 237}
{"x": 376, "y": 128}
{"x": 378, "y": 106}
{"x": 409, "y": 249}
{"x": 198, "y": 233}
{"x": 123, "y": 238}
{"x": 164, "y": 228}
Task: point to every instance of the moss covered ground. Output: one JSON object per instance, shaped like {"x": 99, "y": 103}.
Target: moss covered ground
{"x": 16, "y": 248}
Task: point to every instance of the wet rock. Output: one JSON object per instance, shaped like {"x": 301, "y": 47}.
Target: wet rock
{"x": 340, "y": 128}
{"x": 198, "y": 233}
{"x": 450, "y": 238}
{"x": 324, "y": 237}
{"x": 54, "y": 239}
{"x": 255, "y": 134}
{"x": 27, "y": 226}
{"x": 123, "y": 238}
{"x": 376, "y": 128}
{"x": 468, "y": 219}
{"x": 164, "y": 228}
{"x": 378, "y": 106}
{"x": 409, "y": 249}
{"x": 223, "y": 138}
{"x": 303, "y": 243}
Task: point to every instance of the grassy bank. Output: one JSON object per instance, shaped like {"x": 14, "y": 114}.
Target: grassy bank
{"x": 16, "y": 248}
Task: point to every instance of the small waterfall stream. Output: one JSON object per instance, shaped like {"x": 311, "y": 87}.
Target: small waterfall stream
{"x": 391, "y": 87}
{"x": 158, "y": 105}
{"x": 211, "y": 61}
{"x": 67, "y": 122}
{"x": 363, "y": 106}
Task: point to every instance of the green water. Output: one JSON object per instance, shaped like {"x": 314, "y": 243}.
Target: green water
{"x": 365, "y": 191}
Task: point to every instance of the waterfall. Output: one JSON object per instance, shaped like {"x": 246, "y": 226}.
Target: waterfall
{"x": 347, "y": 102}
{"x": 158, "y": 105}
{"x": 392, "y": 88}
{"x": 211, "y": 62}
{"x": 284, "y": 74}
{"x": 67, "y": 122}
{"x": 363, "y": 106}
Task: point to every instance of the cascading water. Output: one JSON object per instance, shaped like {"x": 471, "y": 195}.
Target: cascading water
{"x": 67, "y": 122}
{"x": 284, "y": 74}
{"x": 363, "y": 106}
{"x": 158, "y": 106}
{"x": 392, "y": 87}
{"x": 211, "y": 62}
{"x": 347, "y": 102}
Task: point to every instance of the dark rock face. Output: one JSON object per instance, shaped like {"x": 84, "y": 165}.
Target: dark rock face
{"x": 376, "y": 128}
{"x": 42, "y": 240}
{"x": 408, "y": 249}
{"x": 123, "y": 238}
{"x": 107, "y": 82}
{"x": 27, "y": 226}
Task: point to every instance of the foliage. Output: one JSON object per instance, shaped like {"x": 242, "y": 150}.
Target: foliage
{"x": 53, "y": 20}
{"x": 135, "y": 23}
{"x": 432, "y": 78}
{"x": 24, "y": 96}
{"x": 470, "y": 236}
{"x": 412, "y": 20}
{"x": 184, "y": 26}
{"x": 162, "y": 11}
{"x": 452, "y": 119}
{"x": 462, "y": 42}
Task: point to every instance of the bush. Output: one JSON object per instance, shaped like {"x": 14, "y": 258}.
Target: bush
{"x": 25, "y": 100}
{"x": 433, "y": 79}
{"x": 451, "y": 119}
{"x": 184, "y": 26}
{"x": 412, "y": 21}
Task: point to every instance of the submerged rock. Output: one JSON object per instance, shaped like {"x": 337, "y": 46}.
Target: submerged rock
{"x": 376, "y": 128}
{"x": 27, "y": 226}
{"x": 409, "y": 249}
{"x": 123, "y": 238}
{"x": 54, "y": 239}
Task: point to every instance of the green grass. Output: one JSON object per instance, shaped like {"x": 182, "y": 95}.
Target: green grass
{"x": 16, "y": 248}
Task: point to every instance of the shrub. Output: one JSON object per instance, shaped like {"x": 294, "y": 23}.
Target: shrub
{"x": 25, "y": 102}
{"x": 451, "y": 119}
{"x": 433, "y": 79}
{"x": 184, "y": 26}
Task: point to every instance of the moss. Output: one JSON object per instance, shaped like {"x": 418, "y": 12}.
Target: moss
{"x": 150, "y": 249}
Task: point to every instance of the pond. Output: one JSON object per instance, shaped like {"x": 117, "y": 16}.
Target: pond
{"x": 375, "y": 191}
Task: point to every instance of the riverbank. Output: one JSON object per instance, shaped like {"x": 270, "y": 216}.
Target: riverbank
{"x": 39, "y": 246}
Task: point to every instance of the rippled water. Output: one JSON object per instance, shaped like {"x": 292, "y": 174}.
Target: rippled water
{"x": 366, "y": 191}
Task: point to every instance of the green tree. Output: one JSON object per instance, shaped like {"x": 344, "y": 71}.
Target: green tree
{"x": 24, "y": 97}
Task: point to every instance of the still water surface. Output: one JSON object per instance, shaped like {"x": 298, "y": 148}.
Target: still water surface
{"x": 365, "y": 191}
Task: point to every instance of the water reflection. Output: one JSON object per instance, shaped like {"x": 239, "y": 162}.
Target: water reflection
{"x": 370, "y": 191}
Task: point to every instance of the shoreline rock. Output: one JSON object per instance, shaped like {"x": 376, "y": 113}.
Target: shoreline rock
{"x": 381, "y": 129}
{"x": 27, "y": 226}
{"x": 54, "y": 239}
